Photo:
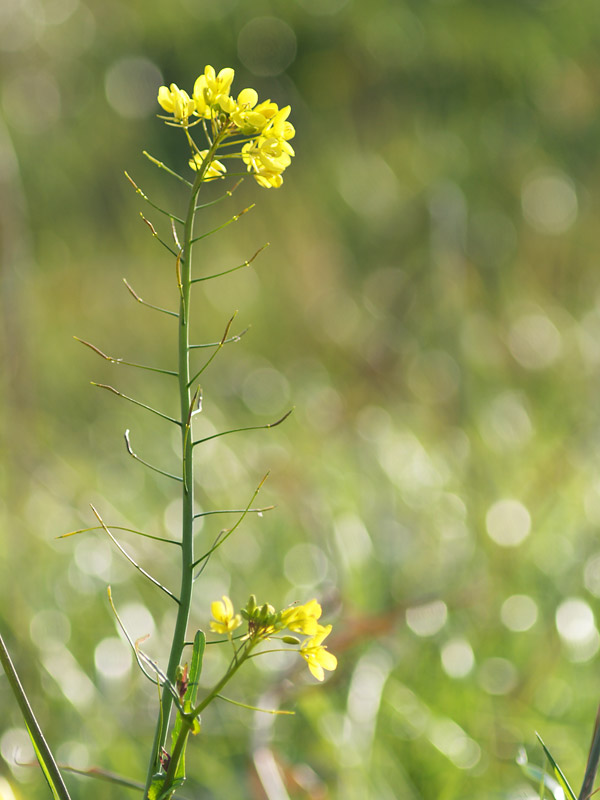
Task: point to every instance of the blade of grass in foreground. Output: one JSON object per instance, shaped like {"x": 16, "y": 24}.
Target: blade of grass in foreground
{"x": 42, "y": 750}
{"x": 563, "y": 782}
{"x": 540, "y": 777}
{"x": 592, "y": 763}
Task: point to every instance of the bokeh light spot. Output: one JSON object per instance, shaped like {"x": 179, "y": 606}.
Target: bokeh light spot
{"x": 534, "y": 341}
{"x": 498, "y": 676}
{"x": 305, "y": 565}
{"x": 575, "y": 620}
{"x": 508, "y": 522}
{"x": 504, "y": 423}
{"x": 519, "y": 612}
{"x": 131, "y": 86}
{"x": 267, "y": 46}
{"x": 549, "y": 202}
{"x": 458, "y": 658}
{"x": 266, "y": 391}
{"x": 50, "y": 628}
{"x": 112, "y": 658}
{"x": 427, "y": 619}
{"x": 451, "y": 740}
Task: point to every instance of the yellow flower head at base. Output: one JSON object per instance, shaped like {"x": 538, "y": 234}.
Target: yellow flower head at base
{"x": 225, "y": 620}
{"x": 316, "y": 654}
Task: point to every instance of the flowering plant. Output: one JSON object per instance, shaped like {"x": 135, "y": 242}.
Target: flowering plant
{"x": 257, "y": 134}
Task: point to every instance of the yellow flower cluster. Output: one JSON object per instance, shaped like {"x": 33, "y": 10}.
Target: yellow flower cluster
{"x": 264, "y": 621}
{"x": 267, "y": 151}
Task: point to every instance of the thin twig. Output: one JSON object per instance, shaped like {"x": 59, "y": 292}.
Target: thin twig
{"x": 132, "y": 560}
{"x": 214, "y": 355}
{"x": 223, "y": 511}
{"x": 128, "y": 637}
{"x": 122, "y": 361}
{"x": 225, "y": 534}
{"x": 235, "y": 338}
{"x": 239, "y": 430}
{"x": 227, "y": 194}
{"x": 224, "y": 225}
{"x": 233, "y": 269}
{"x": 146, "y": 464}
{"x": 144, "y": 303}
{"x": 121, "y": 528}
{"x": 161, "y": 165}
{"x": 147, "y": 199}
{"x": 156, "y": 236}
{"x": 136, "y": 402}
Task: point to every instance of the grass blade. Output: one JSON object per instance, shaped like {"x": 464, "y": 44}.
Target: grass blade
{"x": 558, "y": 773}
{"x": 42, "y": 750}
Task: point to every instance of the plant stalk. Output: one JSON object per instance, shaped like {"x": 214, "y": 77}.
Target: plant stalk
{"x": 186, "y": 392}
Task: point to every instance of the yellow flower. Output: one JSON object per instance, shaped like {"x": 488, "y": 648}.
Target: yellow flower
{"x": 250, "y": 118}
{"x": 279, "y": 126}
{"x": 216, "y": 169}
{"x": 316, "y": 654}
{"x": 302, "y": 619}
{"x": 176, "y": 101}
{"x": 225, "y": 621}
{"x": 211, "y": 89}
{"x": 267, "y": 158}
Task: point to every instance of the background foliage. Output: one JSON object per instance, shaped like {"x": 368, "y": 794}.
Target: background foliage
{"x": 430, "y": 303}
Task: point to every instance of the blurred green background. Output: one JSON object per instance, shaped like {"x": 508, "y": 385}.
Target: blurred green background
{"x": 430, "y": 303}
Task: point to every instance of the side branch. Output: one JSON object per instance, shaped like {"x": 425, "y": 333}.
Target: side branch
{"x": 146, "y": 464}
{"x": 227, "y": 194}
{"x": 214, "y": 355}
{"x": 161, "y": 165}
{"x": 233, "y": 269}
{"x": 149, "y": 305}
{"x": 122, "y": 361}
{"x": 239, "y": 430}
{"x": 258, "y": 511}
{"x": 225, "y": 534}
{"x": 224, "y": 225}
{"x": 136, "y": 402}
{"x": 235, "y": 338}
{"x": 147, "y": 199}
{"x": 121, "y": 528}
{"x": 156, "y": 236}
{"x": 132, "y": 560}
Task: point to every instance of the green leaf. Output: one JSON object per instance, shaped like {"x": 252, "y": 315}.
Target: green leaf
{"x": 558, "y": 773}
{"x": 189, "y": 698}
{"x": 55, "y": 793}
{"x": 40, "y": 745}
{"x": 542, "y": 779}
{"x": 155, "y": 789}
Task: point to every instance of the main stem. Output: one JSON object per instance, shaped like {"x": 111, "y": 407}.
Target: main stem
{"x": 184, "y": 276}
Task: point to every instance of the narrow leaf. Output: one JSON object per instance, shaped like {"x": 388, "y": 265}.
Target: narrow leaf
{"x": 42, "y": 750}
{"x": 189, "y": 698}
{"x": 558, "y": 773}
{"x": 592, "y": 763}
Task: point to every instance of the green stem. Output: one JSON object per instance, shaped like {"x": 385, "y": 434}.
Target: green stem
{"x": 188, "y": 720}
{"x": 44, "y": 753}
{"x": 187, "y": 530}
